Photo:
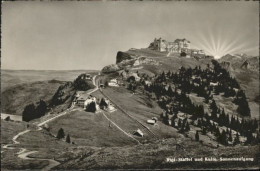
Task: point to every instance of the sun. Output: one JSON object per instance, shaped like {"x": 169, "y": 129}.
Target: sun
{"x": 217, "y": 56}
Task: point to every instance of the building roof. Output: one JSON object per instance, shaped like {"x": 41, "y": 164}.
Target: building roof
{"x": 138, "y": 131}
{"x": 81, "y": 99}
{"x": 151, "y": 121}
{"x": 181, "y": 40}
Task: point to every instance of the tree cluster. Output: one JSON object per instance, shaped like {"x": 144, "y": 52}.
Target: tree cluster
{"x": 61, "y": 135}
{"x": 91, "y": 107}
{"x": 32, "y": 111}
{"x": 82, "y": 84}
{"x": 240, "y": 100}
{"x": 171, "y": 91}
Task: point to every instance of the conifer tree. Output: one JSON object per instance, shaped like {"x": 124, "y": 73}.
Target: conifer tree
{"x": 197, "y": 137}
{"x": 68, "y": 138}
{"x": 166, "y": 119}
{"x": 249, "y": 137}
{"x": 187, "y": 128}
{"x": 236, "y": 140}
{"x": 217, "y": 133}
{"x": 214, "y": 109}
{"x": 182, "y": 127}
{"x": 223, "y": 138}
{"x": 243, "y": 107}
{"x": 204, "y": 132}
{"x": 103, "y": 103}
{"x": 91, "y": 107}
{"x": 170, "y": 92}
{"x": 60, "y": 134}
{"x": 230, "y": 136}
{"x": 179, "y": 123}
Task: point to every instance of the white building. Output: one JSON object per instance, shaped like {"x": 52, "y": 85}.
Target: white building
{"x": 147, "y": 82}
{"x": 81, "y": 101}
{"x": 151, "y": 121}
{"x": 111, "y": 108}
{"x": 138, "y": 132}
{"x": 85, "y": 101}
{"x": 177, "y": 46}
{"x": 113, "y": 83}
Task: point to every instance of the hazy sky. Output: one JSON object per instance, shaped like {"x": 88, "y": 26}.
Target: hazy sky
{"x": 87, "y": 35}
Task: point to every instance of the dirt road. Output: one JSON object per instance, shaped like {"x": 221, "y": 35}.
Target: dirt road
{"x": 24, "y": 153}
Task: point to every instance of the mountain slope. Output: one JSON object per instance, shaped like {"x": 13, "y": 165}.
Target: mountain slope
{"x": 15, "y": 98}
{"x": 247, "y": 76}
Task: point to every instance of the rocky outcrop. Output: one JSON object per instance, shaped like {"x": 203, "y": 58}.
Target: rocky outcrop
{"x": 127, "y": 62}
{"x": 122, "y": 56}
{"x": 147, "y": 61}
{"x": 229, "y": 58}
{"x": 245, "y": 65}
{"x": 240, "y": 61}
{"x": 64, "y": 93}
{"x": 111, "y": 68}
{"x": 225, "y": 64}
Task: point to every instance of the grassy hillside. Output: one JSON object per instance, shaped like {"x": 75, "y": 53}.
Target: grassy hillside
{"x": 161, "y": 62}
{"x": 142, "y": 109}
{"x": 21, "y": 87}
{"x": 247, "y": 78}
{"x": 90, "y": 129}
{"x": 154, "y": 156}
{"x": 9, "y": 159}
{"x": 10, "y": 129}
{"x": 15, "y": 98}
{"x": 175, "y": 63}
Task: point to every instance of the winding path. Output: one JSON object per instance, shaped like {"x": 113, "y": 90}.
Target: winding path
{"x": 52, "y": 163}
{"x": 24, "y": 153}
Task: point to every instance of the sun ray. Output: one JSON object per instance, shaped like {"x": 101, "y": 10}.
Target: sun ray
{"x": 241, "y": 46}
{"x": 205, "y": 42}
{"x": 211, "y": 38}
{"x": 219, "y": 31}
{"x": 230, "y": 45}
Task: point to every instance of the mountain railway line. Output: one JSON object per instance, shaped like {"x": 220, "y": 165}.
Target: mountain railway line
{"x": 123, "y": 111}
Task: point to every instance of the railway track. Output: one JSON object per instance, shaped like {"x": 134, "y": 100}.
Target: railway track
{"x": 123, "y": 111}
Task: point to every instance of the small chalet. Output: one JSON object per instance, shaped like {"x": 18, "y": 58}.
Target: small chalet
{"x": 138, "y": 132}
{"x": 151, "y": 121}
